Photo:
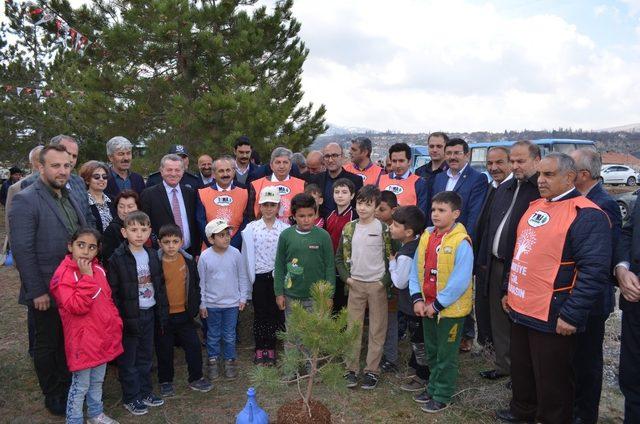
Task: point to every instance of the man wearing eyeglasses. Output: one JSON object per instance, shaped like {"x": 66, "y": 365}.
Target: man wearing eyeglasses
{"x": 332, "y": 158}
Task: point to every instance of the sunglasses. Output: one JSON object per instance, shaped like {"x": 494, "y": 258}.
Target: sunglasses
{"x": 100, "y": 176}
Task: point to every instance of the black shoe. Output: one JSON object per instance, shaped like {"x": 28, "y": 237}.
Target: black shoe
{"x": 434, "y": 406}
{"x": 56, "y": 405}
{"x": 351, "y": 379}
{"x": 492, "y": 374}
{"x": 388, "y": 366}
{"x": 422, "y": 397}
{"x": 508, "y": 385}
{"x": 505, "y": 415}
{"x": 370, "y": 381}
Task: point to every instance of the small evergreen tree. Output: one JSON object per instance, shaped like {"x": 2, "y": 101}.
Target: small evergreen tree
{"x": 323, "y": 342}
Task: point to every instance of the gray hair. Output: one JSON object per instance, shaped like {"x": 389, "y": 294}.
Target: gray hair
{"x": 589, "y": 160}
{"x": 118, "y": 143}
{"x": 566, "y": 163}
{"x": 503, "y": 148}
{"x": 228, "y": 158}
{"x": 56, "y": 140}
{"x": 363, "y": 143}
{"x": 534, "y": 149}
{"x": 298, "y": 159}
{"x": 33, "y": 153}
{"x": 280, "y": 151}
{"x": 171, "y": 157}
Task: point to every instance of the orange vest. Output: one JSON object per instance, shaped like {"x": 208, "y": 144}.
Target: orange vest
{"x": 537, "y": 256}
{"x": 287, "y": 189}
{"x": 370, "y": 175}
{"x": 405, "y": 190}
{"x": 229, "y": 205}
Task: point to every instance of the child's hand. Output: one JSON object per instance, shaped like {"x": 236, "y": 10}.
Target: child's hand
{"x": 392, "y": 257}
{"x": 430, "y": 310}
{"x": 242, "y": 305}
{"x": 419, "y": 308}
{"x": 280, "y": 300}
{"x": 85, "y": 267}
{"x": 203, "y": 313}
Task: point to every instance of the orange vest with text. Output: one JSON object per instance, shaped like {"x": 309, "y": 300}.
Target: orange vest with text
{"x": 537, "y": 256}
{"x": 229, "y": 205}
{"x": 287, "y": 190}
{"x": 371, "y": 175}
{"x": 405, "y": 190}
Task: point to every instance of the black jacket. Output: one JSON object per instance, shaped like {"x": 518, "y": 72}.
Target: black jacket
{"x": 325, "y": 182}
{"x": 188, "y": 179}
{"x": 192, "y": 284}
{"x": 96, "y": 214}
{"x": 111, "y": 238}
{"x": 112, "y": 190}
{"x": 122, "y": 274}
{"x": 155, "y": 203}
{"x": 627, "y": 250}
{"x": 586, "y": 262}
{"x": 499, "y": 207}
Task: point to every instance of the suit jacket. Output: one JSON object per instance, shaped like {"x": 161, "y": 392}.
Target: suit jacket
{"x": 598, "y": 195}
{"x": 156, "y": 204}
{"x": 38, "y": 238}
{"x": 627, "y": 249}
{"x": 471, "y": 186}
{"x": 188, "y": 179}
{"x": 481, "y": 227}
{"x": 78, "y": 190}
{"x": 325, "y": 182}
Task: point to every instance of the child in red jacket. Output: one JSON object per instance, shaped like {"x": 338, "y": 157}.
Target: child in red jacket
{"x": 91, "y": 324}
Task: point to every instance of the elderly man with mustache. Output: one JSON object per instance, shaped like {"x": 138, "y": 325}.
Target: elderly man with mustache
{"x": 121, "y": 177}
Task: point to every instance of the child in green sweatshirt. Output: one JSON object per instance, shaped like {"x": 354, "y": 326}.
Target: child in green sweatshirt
{"x": 304, "y": 256}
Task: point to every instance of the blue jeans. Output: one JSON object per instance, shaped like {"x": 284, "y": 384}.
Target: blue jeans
{"x": 221, "y": 324}
{"x": 85, "y": 383}
{"x": 134, "y": 365}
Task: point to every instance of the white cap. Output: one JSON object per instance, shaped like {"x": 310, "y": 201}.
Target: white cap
{"x": 269, "y": 195}
{"x": 216, "y": 226}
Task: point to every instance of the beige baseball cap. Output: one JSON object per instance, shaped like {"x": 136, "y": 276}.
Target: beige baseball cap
{"x": 269, "y": 195}
{"x": 216, "y": 226}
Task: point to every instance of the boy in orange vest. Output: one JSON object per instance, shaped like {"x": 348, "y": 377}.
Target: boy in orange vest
{"x": 442, "y": 293}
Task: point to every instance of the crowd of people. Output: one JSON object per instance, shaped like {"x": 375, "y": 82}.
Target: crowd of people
{"x": 523, "y": 261}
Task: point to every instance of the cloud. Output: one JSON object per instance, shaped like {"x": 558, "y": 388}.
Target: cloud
{"x": 424, "y": 65}
{"x": 633, "y": 5}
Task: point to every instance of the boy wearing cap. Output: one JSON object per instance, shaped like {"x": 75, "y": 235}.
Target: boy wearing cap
{"x": 224, "y": 289}
{"x": 259, "y": 246}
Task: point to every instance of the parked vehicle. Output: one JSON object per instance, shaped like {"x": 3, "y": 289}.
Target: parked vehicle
{"x": 626, "y": 202}
{"x": 618, "y": 174}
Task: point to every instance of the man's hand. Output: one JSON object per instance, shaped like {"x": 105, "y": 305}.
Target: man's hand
{"x": 85, "y": 267}
{"x": 629, "y": 284}
{"x": 564, "y": 328}
{"x": 349, "y": 281}
{"x": 203, "y": 313}
{"x": 505, "y": 304}
{"x": 430, "y": 311}
{"x": 280, "y": 300}
{"x": 419, "y": 308}
{"x": 42, "y": 303}
{"x": 242, "y": 305}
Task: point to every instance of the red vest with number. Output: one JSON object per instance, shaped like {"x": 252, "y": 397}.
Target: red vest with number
{"x": 537, "y": 256}
{"x": 370, "y": 175}
{"x": 405, "y": 190}
{"x": 229, "y": 205}
{"x": 287, "y": 189}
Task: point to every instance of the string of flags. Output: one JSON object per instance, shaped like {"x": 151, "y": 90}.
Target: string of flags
{"x": 38, "y": 92}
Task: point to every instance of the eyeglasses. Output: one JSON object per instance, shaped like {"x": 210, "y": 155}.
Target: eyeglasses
{"x": 100, "y": 176}
{"x": 332, "y": 156}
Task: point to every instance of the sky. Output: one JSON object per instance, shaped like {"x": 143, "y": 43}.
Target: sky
{"x": 472, "y": 65}
{"x": 464, "y": 65}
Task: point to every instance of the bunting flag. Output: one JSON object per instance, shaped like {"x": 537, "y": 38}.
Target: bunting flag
{"x": 39, "y": 92}
{"x": 68, "y": 36}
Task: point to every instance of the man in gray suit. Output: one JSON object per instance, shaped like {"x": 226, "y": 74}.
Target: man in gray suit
{"x": 42, "y": 219}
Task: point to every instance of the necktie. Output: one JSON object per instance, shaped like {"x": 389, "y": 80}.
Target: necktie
{"x": 175, "y": 208}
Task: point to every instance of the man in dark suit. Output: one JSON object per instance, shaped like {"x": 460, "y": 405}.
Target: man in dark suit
{"x": 588, "y": 362}
{"x": 499, "y": 168}
{"x": 121, "y": 177}
{"x": 188, "y": 179}
{"x": 510, "y": 201}
{"x": 627, "y": 260}
{"x": 436, "y": 143}
{"x": 42, "y": 219}
{"x": 472, "y": 187}
{"x": 172, "y": 203}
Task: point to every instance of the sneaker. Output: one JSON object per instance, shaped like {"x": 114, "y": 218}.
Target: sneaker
{"x": 202, "y": 385}
{"x": 271, "y": 357}
{"x": 259, "y": 358}
{"x": 214, "y": 371}
{"x": 166, "y": 390}
{"x": 152, "y": 400}
{"x": 370, "y": 381}
{"x": 388, "y": 366}
{"x": 352, "y": 379}
{"x": 136, "y": 407}
{"x": 230, "y": 369}
{"x": 416, "y": 384}
{"x": 102, "y": 419}
{"x": 434, "y": 406}
{"x": 422, "y": 397}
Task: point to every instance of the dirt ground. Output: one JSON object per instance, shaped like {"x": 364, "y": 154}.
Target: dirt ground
{"x": 21, "y": 400}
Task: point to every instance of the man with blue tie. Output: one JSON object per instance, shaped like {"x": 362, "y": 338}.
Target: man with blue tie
{"x": 472, "y": 187}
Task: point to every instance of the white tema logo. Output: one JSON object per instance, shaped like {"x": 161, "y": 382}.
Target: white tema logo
{"x": 538, "y": 219}
{"x": 283, "y": 190}
{"x": 395, "y": 189}
{"x": 223, "y": 200}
